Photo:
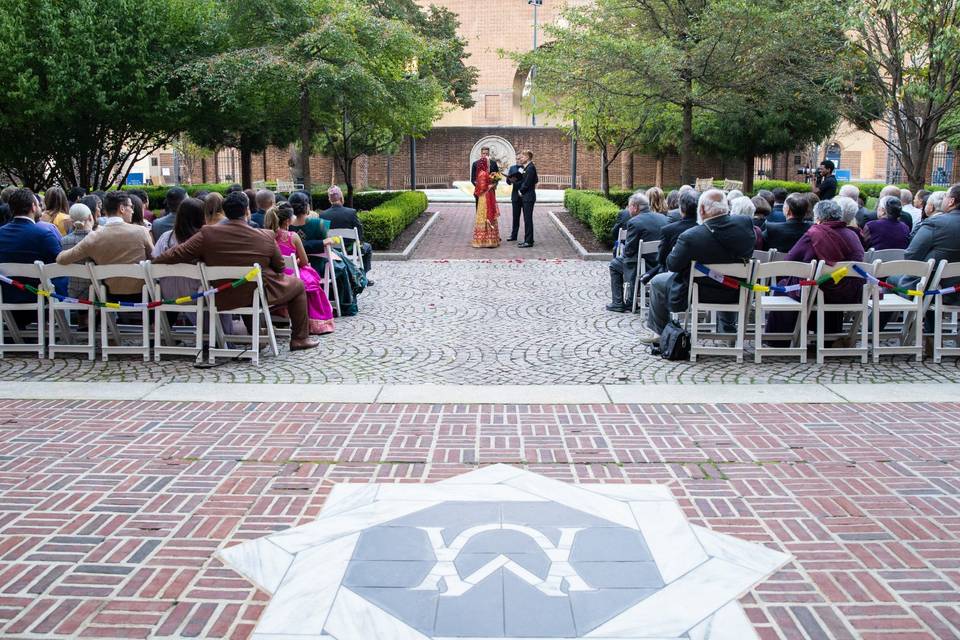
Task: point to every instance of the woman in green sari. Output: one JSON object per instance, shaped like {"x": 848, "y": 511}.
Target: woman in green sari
{"x": 313, "y": 232}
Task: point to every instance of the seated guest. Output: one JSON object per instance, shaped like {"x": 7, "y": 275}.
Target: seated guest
{"x": 265, "y": 199}
{"x": 235, "y": 244}
{"x": 832, "y": 241}
{"x": 762, "y": 211}
{"x": 779, "y": 197}
{"x": 161, "y": 225}
{"x": 83, "y": 225}
{"x": 621, "y": 224}
{"x": 213, "y": 208}
{"x": 234, "y": 188}
{"x": 767, "y": 195}
{"x": 848, "y": 213}
{"x": 733, "y": 194}
{"x": 95, "y": 204}
{"x": 673, "y": 205}
{"x": 190, "y": 219}
{"x": 920, "y": 204}
{"x": 721, "y": 239}
{"x": 887, "y": 231}
{"x": 743, "y": 206}
{"x": 783, "y": 235}
{"x": 117, "y": 242}
{"x": 341, "y": 217}
{"x": 938, "y": 237}
{"x": 893, "y": 191}
{"x": 56, "y": 209}
{"x": 934, "y": 206}
{"x": 313, "y": 232}
{"x": 74, "y": 195}
{"x": 138, "y": 212}
{"x": 813, "y": 199}
{"x": 145, "y": 201}
{"x": 319, "y": 311}
{"x": 23, "y": 241}
{"x": 645, "y": 225}
{"x": 906, "y": 199}
{"x": 669, "y": 234}
{"x": 658, "y": 202}
{"x": 5, "y": 215}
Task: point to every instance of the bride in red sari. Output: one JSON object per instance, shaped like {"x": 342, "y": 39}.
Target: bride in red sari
{"x": 486, "y": 230}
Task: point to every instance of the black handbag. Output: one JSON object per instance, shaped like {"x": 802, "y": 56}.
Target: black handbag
{"x": 674, "y": 342}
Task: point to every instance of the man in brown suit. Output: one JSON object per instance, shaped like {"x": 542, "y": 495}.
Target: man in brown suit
{"x": 233, "y": 243}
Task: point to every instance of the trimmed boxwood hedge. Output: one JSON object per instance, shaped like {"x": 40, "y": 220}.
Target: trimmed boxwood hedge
{"x": 383, "y": 223}
{"x": 362, "y": 200}
{"x": 593, "y": 210}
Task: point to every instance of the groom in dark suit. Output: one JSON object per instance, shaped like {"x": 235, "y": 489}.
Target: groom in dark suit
{"x": 514, "y": 178}
{"x": 528, "y": 196}
{"x": 494, "y": 168}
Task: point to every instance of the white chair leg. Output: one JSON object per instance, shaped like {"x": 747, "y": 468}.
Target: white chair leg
{"x": 757, "y": 333}
{"x": 104, "y": 356}
{"x": 145, "y": 333}
{"x": 918, "y": 332}
{"x": 820, "y": 340}
{"x": 875, "y": 314}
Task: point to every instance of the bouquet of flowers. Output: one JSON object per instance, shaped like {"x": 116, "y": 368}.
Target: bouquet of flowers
{"x": 496, "y": 176}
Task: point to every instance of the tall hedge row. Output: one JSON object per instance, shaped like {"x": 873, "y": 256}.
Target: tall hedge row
{"x": 386, "y": 221}
{"x": 593, "y": 210}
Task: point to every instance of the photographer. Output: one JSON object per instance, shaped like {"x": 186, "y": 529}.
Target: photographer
{"x": 825, "y": 186}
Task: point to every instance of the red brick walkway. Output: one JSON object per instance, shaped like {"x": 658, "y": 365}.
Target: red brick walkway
{"x": 110, "y": 511}
{"x": 450, "y": 236}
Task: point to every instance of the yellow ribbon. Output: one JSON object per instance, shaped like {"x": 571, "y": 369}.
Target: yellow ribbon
{"x": 839, "y": 274}
{"x": 183, "y": 300}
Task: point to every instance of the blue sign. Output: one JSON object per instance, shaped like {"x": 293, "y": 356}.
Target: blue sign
{"x": 135, "y": 179}
{"x": 843, "y": 175}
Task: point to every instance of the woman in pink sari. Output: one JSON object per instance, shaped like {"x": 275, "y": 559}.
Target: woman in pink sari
{"x": 319, "y": 311}
{"x": 486, "y": 230}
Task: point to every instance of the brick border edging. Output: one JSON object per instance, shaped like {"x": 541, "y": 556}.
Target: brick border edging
{"x": 411, "y": 247}
{"x": 581, "y": 251}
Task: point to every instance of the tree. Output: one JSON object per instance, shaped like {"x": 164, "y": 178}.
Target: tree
{"x": 359, "y": 90}
{"x": 903, "y": 82}
{"x": 89, "y": 84}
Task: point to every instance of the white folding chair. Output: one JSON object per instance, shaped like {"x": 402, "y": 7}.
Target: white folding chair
{"x": 886, "y": 301}
{"x": 258, "y": 310}
{"x": 885, "y": 255}
{"x": 945, "y": 271}
{"x": 166, "y": 339}
{"x": 329, "y": 278}
{"x": 109, "y": 316}
{"x": 736, "y": 270}
{"x": 763, "y": 257}
{"x": 859, "y": 310}
{"x": 290, "y": 262}
{"x": 59, "y": 313}
{"x": 282, "y": 325}
{"x": 640, "y": 292}
{"x": 37, "y": 304}
{"x": 765, "y": 302}
{"x": 354, "y": 253}
{"x": 621, "y": 238}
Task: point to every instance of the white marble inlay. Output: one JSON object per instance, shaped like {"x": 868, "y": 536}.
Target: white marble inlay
{"x": 729, "y": 623}
{"x": 672, "y": 543}
{"x": 354, "y": 617}
{"x": 305, "y": 567}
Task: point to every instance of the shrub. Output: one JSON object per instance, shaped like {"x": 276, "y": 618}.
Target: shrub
{"x": 873, "y": 189}
{"x": 789, "y": 185}
{"x": 593, "y": 210}
{"x": 386, "y": 221}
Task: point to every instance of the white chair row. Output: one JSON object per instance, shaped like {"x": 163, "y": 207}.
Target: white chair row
{"x": 53, "y": 332}
{"x": 751, "y": 309}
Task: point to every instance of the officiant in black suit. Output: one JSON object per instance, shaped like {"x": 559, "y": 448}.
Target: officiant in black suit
{"x": 514, "y": 178}
{"x": 528, "y": 196}
{"x": 494, "y": 168}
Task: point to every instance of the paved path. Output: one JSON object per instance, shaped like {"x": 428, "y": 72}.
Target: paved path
{"x": 110, "y": 511}
{"x": 450, "y": 236}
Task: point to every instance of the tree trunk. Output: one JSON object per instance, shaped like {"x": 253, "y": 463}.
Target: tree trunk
{"x": 626, "y": 171}
{"x": 203, "y": 170}
{"x": 246, "y": 165}
{"x": 348, "y": 179}
{"x": 306, "y": 139}
{"x": 604, "y": 171}
{"x": 658, "y": 172}
{"x": 686, "y": 145}
{"x": 748, "y": 163}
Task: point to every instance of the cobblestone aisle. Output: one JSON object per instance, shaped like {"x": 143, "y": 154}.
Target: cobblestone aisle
{"x": 110, "y": 512}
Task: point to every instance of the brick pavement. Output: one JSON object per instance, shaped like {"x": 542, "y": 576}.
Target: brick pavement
{"x": 110, "y": 511}
{"x": 450, "y": 236}
{"x": 533, "y": 321}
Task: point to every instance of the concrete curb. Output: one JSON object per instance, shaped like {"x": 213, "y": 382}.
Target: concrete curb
{"x": 408, "y": 251}
{"x": 659, "y": 394}
{"x": 581, "y": 251}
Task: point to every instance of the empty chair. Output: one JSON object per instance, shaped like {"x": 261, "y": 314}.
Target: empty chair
{"x": 60, "y": 313}
{"x": 884, "y": 300}
{"x": 646, "y": 248}
{"x": 768, "y": 302}
{"x": 742, "y": 271}
{"x": 258, "y": 310}
{"x": 858, "y": 327}
{"x": 10, "y": 310}
{"x": 109, "y": 312}
{"x": 166, "y": 338}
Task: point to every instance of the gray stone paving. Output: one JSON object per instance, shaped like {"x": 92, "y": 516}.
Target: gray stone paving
{"x": 482, "y": 322}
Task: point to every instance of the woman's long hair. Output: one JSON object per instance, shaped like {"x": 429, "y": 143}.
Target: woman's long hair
{"x": 277, "y": 215}
{"x": 55, "y": 201}
{"x": 213, "y": 207}
{"x": 658, "y": 201}
{"x": 190, "y": 218}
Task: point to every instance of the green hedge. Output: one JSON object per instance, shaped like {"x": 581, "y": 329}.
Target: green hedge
{"x": 361, "y": 200}
{"x": 873, "y": 189}
{"x": 593, "y": 210}
{"x": 383, "y": 223}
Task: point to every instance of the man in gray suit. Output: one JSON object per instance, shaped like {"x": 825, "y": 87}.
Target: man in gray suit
{"x": 645, "y": 226}
{"x": 939, "y": 238}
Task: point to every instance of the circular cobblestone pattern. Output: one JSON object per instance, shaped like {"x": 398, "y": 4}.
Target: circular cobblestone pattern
{"x": 482, "y": 322}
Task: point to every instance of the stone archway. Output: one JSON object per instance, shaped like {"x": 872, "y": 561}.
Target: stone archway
{"x": 501, "y": 150}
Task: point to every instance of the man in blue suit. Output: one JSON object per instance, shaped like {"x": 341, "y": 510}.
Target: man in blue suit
{"x": 23, "y": 241}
